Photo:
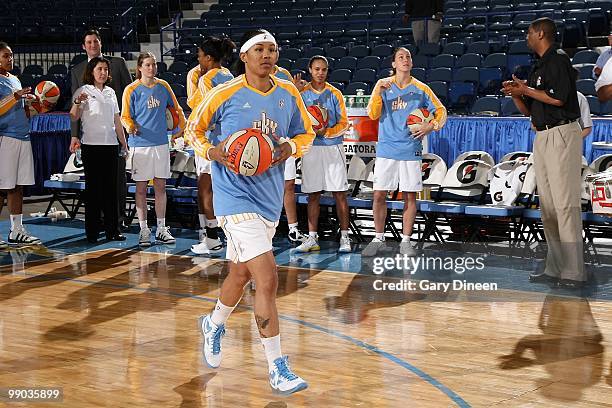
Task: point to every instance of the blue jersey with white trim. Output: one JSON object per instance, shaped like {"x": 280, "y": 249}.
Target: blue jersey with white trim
{"x": 392, "y": 108}
{"x": 332, "y": 100}
{"x": 234, "y": 106}
{"x": 13, "y": 120}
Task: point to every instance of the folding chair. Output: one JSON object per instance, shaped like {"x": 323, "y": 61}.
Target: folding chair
{"x": 69, "y": 192}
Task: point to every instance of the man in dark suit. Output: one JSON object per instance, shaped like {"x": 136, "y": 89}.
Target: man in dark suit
{"x": 92, "y": 44}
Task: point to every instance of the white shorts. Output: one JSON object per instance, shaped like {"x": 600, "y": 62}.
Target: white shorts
{"x": 324, "y": 169}
{"x": 388, "y": 173}
{"x": 16, "y": 163}
{"x": 290, "y": 169}
{"x": 248, "y": 235}
{"x": 202, "y": 165}
{"x": 150, "y": 162}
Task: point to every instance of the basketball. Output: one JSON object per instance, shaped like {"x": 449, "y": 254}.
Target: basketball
{"x": 172, "y": 118}
{"x": 33, "y": 107}
{"x": 319, "y": 117}
{"x": 250, "y": 151}
{"x": 48, "y": 93}
{"x": 418, "y": 117}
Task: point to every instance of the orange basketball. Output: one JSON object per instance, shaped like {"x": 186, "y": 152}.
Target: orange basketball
{"x": 419, "y": 117}
{"x": 250, "y": 151}
{"x": 172, "y": 118}
{"x": 48, "y": 93}
{"x": 32, "y": 108}
{"x": 318, "y": 116}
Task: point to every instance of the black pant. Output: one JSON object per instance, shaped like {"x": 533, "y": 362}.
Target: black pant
{"x": 121, "y": 188}
{"x": 100, "y": 166}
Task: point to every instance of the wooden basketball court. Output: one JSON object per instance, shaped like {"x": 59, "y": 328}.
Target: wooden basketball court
{"x": 117, "y": 328}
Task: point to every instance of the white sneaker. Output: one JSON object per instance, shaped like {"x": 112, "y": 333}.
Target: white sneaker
{"x": 372, "y": 248}
{"x": 345, "y": 244}
{"x": 406, "y": 248}
{"x": 163, "y": 236}
{"x": 311, "y": 244}
{"x": 296, "y": 236}
{"x": 19, "y": 236}
{"x": 207, "y": 246}
{"x": 211, "y": 347}
{"x": 144, "y": 238}
{"x": 283, "y": 380}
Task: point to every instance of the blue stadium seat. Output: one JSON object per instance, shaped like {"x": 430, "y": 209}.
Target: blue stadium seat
{"x": 341, "y": 75}
{"x": 454, "y": 48}
{"x": 179, "y": 90}
{"x": 33, "y": 70}
{"x": 370, "y": 61}
{"x": 440, "y": 74}
{"x": 440, "y": 89}
{"x": 498, "y": 59}
{"x": 461, "y": 96}
{"x": 382, "y": 50}
{"x": 285, "y": 63}
{"x": 586, "y": 87}
{"x": 594, "y": 105}
{"x": 346, "y": 63}
{"x": 443, "y": 60}
{"x": 169, "y": 77}
{"x": 366, "y": 75}
{"x": 57, "y": 69}
{"x": 508, "y": 108}
{"x": 585, "y": 57}
{"x": 301, "y": 64}
{"x": 479, "y": 47}
{"x": 337, "y": 52}
{"x": 312, "y": 51}
{"x": 429, "y": 49}
{"x": 469, "y": 60}
{"x": 420, "y": 61}
{"x": 419, "y": 73}
{"x": 487, "y": 105}
{"x": 359, "y": 51}
{"x": 490, "y": 80}
{"x": 519, "y": 63}
{"x": 291, "y": 53}
{"x": 586, "y": 71}
{"x": 466, "y": 74}
{"x": 178, "y": 67}
{"x": 338, "y": 85}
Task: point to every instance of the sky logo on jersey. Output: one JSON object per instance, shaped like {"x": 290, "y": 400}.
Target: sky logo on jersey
{"x": 153, "y": 103}
{"x": 266, "y": 125}
{"x": 398, "y": 104}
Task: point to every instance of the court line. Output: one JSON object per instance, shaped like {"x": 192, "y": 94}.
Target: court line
{"x": 460, "y": 402}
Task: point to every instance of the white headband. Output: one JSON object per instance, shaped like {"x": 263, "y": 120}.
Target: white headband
{"x": 263, "y": 37}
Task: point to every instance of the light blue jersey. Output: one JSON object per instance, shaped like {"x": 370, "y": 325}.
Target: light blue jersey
{"x": 392, "y": 108}
{"x": 145, "y": 108}
{"x": 233, "y": 106}
{"x": 332, "y": 100}
{"x": 13, "y": 120}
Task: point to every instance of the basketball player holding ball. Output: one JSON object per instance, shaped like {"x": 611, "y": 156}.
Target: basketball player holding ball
{"x": 144, "y": 116}
{"x": 324, "y": 167}
{"x": 16, "y": 161}
{"x": 399, "y": 149}
{"x": 248, "y": 208}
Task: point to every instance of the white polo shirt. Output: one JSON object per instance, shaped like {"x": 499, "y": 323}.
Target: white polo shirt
{"x": 98, "y": 115}
{"x": 606, "y": 76}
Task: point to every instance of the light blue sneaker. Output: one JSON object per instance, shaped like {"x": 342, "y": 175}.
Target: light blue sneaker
{"x": 283, "y": 380}
{"x": 211, "y": 347}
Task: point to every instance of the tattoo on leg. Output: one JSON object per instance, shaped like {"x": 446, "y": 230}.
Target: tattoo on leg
{"x": 262, "y": 323}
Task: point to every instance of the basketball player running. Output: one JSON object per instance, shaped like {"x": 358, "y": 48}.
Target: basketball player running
{"x": 144, "y": 116}
{"x": 16, "y": 161}
{"x": 248, "y": 208}
{"x": 324, "y": 167}
{"x": 200, "y": 80}
{"x": 398, "y": 151}
{"x": 295, "y": 235}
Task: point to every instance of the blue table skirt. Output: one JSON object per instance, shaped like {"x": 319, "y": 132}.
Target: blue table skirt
{"x": 50, "y": 136}
{"x": 499, "y": 136}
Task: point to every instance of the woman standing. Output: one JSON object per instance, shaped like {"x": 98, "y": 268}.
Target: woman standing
{"x": 200, "y": 80}
{"x": 95, "y": 104}
{"x": 324, "y": 167}
{"x": 248, "y": 208}
{"x": 144, "y": 116}
{"x": 398, "y": 151}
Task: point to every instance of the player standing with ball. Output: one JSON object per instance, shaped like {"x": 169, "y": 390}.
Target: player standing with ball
{"x": 16, "y": 161}
{"x": 248, "y": 208}
{"x": 398, "y": 151}
{"x": 324, "y": 167}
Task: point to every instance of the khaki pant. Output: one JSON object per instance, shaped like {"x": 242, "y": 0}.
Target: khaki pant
{"x": 558, "y": 162}
{"x": 419, "y": 31}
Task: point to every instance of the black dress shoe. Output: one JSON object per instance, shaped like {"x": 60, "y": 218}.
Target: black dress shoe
{"x": 542, "y": 278}
{"x": 570, "y": 284}
{"x": 116, "y": 237}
